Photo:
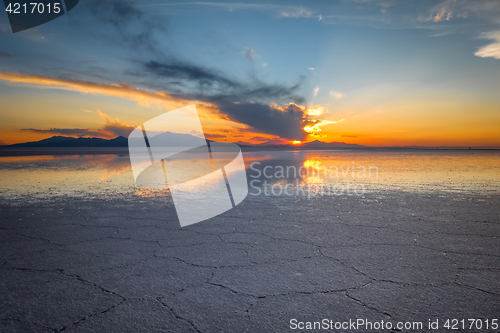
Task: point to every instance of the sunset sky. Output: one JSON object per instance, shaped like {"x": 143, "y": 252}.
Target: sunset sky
{"x": 371, "y": 72}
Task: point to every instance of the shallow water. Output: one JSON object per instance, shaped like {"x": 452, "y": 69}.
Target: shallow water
{"x": 315, "y": 171}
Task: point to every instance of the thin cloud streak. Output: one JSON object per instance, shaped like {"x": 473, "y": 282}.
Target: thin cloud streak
{"x": 179, "y": 70}
{"x": 491, "y": 50}
{"x": 123, "y": 90}
{"x": 110, "y": 130}
{"x": 336, "y": 94}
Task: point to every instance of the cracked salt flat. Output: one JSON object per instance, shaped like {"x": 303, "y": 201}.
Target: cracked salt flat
{"x": 235, "y": 273}
{"x": 122, "y": 263}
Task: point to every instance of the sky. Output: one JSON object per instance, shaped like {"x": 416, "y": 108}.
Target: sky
{"x": 370, "y": 72}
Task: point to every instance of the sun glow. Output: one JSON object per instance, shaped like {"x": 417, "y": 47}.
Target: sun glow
{"x": 296, "y": 142}
{"x": 311, "y": 163}
{"x": 315, "y": 111}
{"x": 316, "y": 127}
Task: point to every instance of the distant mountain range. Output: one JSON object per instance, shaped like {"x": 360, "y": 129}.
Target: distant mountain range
{"x": 64, "y": 141}
{"x": 320, "y": 144}
{"x": 120, "y": 141}
{"x": 167, "y": 138}
{"x": 179, "y": 140}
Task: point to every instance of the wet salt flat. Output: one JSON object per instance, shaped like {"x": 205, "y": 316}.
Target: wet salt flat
{"x": 39, "y": 177}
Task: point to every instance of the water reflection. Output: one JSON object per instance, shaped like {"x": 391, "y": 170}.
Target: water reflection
{"x": 412, "y": 170}
{"x": 68, "y": 175}
{"x": 36, "y": 177}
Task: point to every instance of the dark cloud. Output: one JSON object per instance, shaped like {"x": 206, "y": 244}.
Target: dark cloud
{"x": 116, "y": 12}
{"x": 245, "y": 102}
{"x": 178, "y": 70}
{"x": 275, "y": 93}
{"x": 5, "y": 55}
{"x": 212, "y": 86}
{"x": 125, "y": 23}
{"x": 286, "y": 123}
{"x": 248, "y": 103}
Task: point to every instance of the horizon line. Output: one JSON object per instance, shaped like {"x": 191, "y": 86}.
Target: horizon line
{"x": 301, "y": 145}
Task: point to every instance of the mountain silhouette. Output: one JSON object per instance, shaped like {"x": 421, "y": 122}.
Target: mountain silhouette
{"x": 320, "y": 144}
{"x": 166, "y": 139}
{"x": 162, "y": 140}
{"x": 64, "y": 141}
{"x": 169, "y": 139}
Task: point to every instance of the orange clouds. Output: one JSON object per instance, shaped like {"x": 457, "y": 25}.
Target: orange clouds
{"x": 122, "y": 90}
{"x": 110, "y": 130}
{"x": 114, "y": 127}
{"x": 216, "y": 123}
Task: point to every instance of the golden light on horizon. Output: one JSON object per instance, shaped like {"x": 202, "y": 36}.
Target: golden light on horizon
{"x": 468, "y": 123}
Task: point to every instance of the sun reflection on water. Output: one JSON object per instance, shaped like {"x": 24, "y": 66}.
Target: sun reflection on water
{"x": 107, "y": 175}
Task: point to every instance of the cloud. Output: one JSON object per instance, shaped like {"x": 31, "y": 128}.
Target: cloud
{"x": 5, "y": 55}
{"x": 209, "y": 85}
{"x": 195, "y": 132}
{"x": 258, "y": 91}
{"x": 239, "y": 106}
{"x": 315, "y": 111}
{"x": 185, "y": 71}
{"x": 443, "y": 14}
{"x": 490, "y": 50}
{"x": 204, "y": 84}
{"x": 111, "y": 129}
{"x": 141, "y": 96}
{"x": 125, "y": 21}
{"x": 285, "y": 122}
{"x": 250, "y": 54}
{"x": 297, "y": 12}
{"x": 311, "y": 129}
{"x": 375, "y": 13}
{"x": 279, "y": 10}
{"x": 316, "y": 90}
{"x": 485, "y": 10}
{"x": 214, "y": 136}
{"x": 336, "y": 94}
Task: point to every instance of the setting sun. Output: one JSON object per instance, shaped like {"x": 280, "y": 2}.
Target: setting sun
{"x": 296, "y": 142}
